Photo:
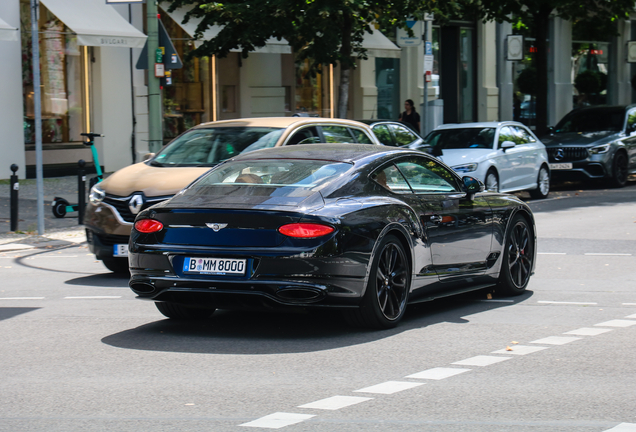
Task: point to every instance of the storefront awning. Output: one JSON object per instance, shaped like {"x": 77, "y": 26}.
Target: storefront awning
{"x": 274, "y": 46}
{"x": 7, "y": 33}
{"x": 96, "y": 23}
{"x": 378, "y": 45}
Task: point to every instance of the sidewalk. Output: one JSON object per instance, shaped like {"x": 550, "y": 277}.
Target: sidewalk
{"x": 57, "y": 232}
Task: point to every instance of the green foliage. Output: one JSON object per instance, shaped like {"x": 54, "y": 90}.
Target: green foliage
{"x": 324, "y": 31}
{"x": 590, "y": 82}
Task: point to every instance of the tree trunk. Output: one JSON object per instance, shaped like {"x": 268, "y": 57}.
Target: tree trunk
{"x": 345, "y": 66}
{"x": 541, "y": 25}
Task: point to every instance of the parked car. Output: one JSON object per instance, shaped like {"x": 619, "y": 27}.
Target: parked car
{"x": 365, "y": 229}
{"x": 594, "y": 143}
{"x": 114, "y": 203}
{"x": 394, "y": 133}
{"x": 506, "y": 156}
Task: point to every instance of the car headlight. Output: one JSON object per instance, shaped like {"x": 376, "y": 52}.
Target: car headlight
{"x": 96, "y": 195}
{"x": 465, "y": 168}
{"x": 600, "y": 149}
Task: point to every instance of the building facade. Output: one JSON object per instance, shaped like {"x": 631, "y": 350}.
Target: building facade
{"x": 90, "y": 82}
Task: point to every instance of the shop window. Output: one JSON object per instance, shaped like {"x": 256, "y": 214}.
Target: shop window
{"x": 228, "y": 98}
{"x": 63, "y": 75}
{"x": 387, "y": 80}
{"x": 590, "y": 64}
{"x": 308, "y": 97}
{"x": 185, "y": 101}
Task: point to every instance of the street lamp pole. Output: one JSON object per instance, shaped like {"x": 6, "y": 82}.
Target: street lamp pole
{"x": 37, "y": 106}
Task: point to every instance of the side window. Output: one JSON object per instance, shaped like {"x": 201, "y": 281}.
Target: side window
{"x": 505, "y": 134}
{"x": 527, "y": 136}
{"x": 381, "y": 131}
{"x": 631, "y": 120}
{"x": 403, "y": 136}
{"x": 424, "y": 175}
{"x": 307, "y": 135}
{"x": 390, "y": 178}
{"x": 521, "y": 136}
{"x": 361, "y": 136}
{"x": 337, "y": 134}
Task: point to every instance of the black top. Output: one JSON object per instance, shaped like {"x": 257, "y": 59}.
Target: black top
{"x": 412, "y": 120}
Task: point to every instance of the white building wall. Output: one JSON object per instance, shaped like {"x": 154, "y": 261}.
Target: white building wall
{"x": 262, "y": 93}
{"x": 365, "y": 91}
{"x": 504, "y": 73}
{"x": 559, "y": 70}
{"x": 487, "y": 90}
{"x": 619, "y": 80}
{"x": 11, "y": 105}
{"x": 412, "y": 77}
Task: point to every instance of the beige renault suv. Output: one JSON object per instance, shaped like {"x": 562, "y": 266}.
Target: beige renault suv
{"x": 114, "y": 203}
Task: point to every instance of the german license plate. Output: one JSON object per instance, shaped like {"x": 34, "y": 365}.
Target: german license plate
{"x": 560, "y": 166}
{"x": 215, "y": 266}
{"x": 120, "y": 250}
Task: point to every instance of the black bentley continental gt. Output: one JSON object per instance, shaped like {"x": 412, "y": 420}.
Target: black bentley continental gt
{"x": 362, "y": 228}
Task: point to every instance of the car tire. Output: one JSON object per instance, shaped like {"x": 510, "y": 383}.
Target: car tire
{"x": 177, "y": 311}
{"x": 386, "y": 295}
{"x": 619, "y": 170}
{"x": 543, "y": 184}
{"x": 117, "y": 265}
{"x": 518, "y": 254}
{"x": 492, "y": 180}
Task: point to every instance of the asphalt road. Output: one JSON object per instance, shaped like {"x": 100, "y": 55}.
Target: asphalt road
{"x": 79, "y": 353}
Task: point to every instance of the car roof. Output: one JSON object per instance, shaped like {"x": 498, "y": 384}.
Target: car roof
{"x": 492, "y": 124}
{"x": 332, "y": 152}
{"x": 278, "y": 122}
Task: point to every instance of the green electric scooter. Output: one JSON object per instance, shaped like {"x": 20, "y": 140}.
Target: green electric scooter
{"x": 60, "y": 206}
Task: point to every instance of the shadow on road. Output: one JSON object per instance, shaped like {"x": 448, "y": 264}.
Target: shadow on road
{"x": 107, "y": 280}
{"x": 10, "y": 312}
{"x": 243, "y": 332}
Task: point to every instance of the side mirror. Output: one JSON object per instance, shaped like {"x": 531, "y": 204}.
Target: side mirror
{"x": 148, "y": 156}
{"x": 472, "y": 185}
{"x": 507, "y": 145}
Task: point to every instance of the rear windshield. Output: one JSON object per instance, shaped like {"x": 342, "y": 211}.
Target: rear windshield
{"x": 208, "y": 147}
{"x": 288, "y": 177}
{"x": 462, "y": 138}
{"x": 595, "y": 120}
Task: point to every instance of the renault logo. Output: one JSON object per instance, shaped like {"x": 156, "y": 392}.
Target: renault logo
{"x": 560, "y": 154}
{"x": 136, "y": 203}
{"x": 216, "y": 227}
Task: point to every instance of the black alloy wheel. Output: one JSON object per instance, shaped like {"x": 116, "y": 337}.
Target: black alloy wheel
{"x": 619, "y": 170}
{"x": 177, "y": 311}
{"x": 518, "y": 255}
{"x": 385, "y": 299}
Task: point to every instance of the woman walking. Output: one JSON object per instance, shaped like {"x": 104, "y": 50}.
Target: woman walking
{"x": 410, "y": 116}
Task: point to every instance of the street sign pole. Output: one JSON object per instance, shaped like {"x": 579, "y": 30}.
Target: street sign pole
{"x": 155, "y": 132}
{"x": 424, "y": 128}
{"x": 37, "y": 107}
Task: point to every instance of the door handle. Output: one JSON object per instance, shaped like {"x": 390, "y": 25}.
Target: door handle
{"x": 435, "y": 219}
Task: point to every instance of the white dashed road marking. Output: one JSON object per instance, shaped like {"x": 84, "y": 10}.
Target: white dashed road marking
{"x": 631, "y": 316}
{"x": 389, "y": 387}
{"x": 568, "y": 303}
{"x": 335, "y": 402}
{"x": 556, "y": 340}
{"x": 551, "y": 253}
{"x": 629, "y": 304}
{"x": 22, "y": 298}
{"x": 616, "y": 323}
{"x": 586, "y": 331}
{"x": 481, "y": 360}
{"x": 278, "y": 420}
{"x": 623, "y": 427}
{"x": 520, "y": 350}
{"x": 438, "y": 373}
{"x": 92, "y": 297}
{"x": 608, "y": 254}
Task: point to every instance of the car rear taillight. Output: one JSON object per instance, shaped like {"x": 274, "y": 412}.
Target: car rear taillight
{"x": 148, "y": 226}
{"x": 305, "y": 230}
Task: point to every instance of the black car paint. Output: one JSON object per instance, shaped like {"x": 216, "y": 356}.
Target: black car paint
{"x": 331, "y": 271}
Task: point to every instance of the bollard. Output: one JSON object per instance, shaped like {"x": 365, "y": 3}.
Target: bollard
{"x": 81, "y": 191}
{"x": 14, "y": 198}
